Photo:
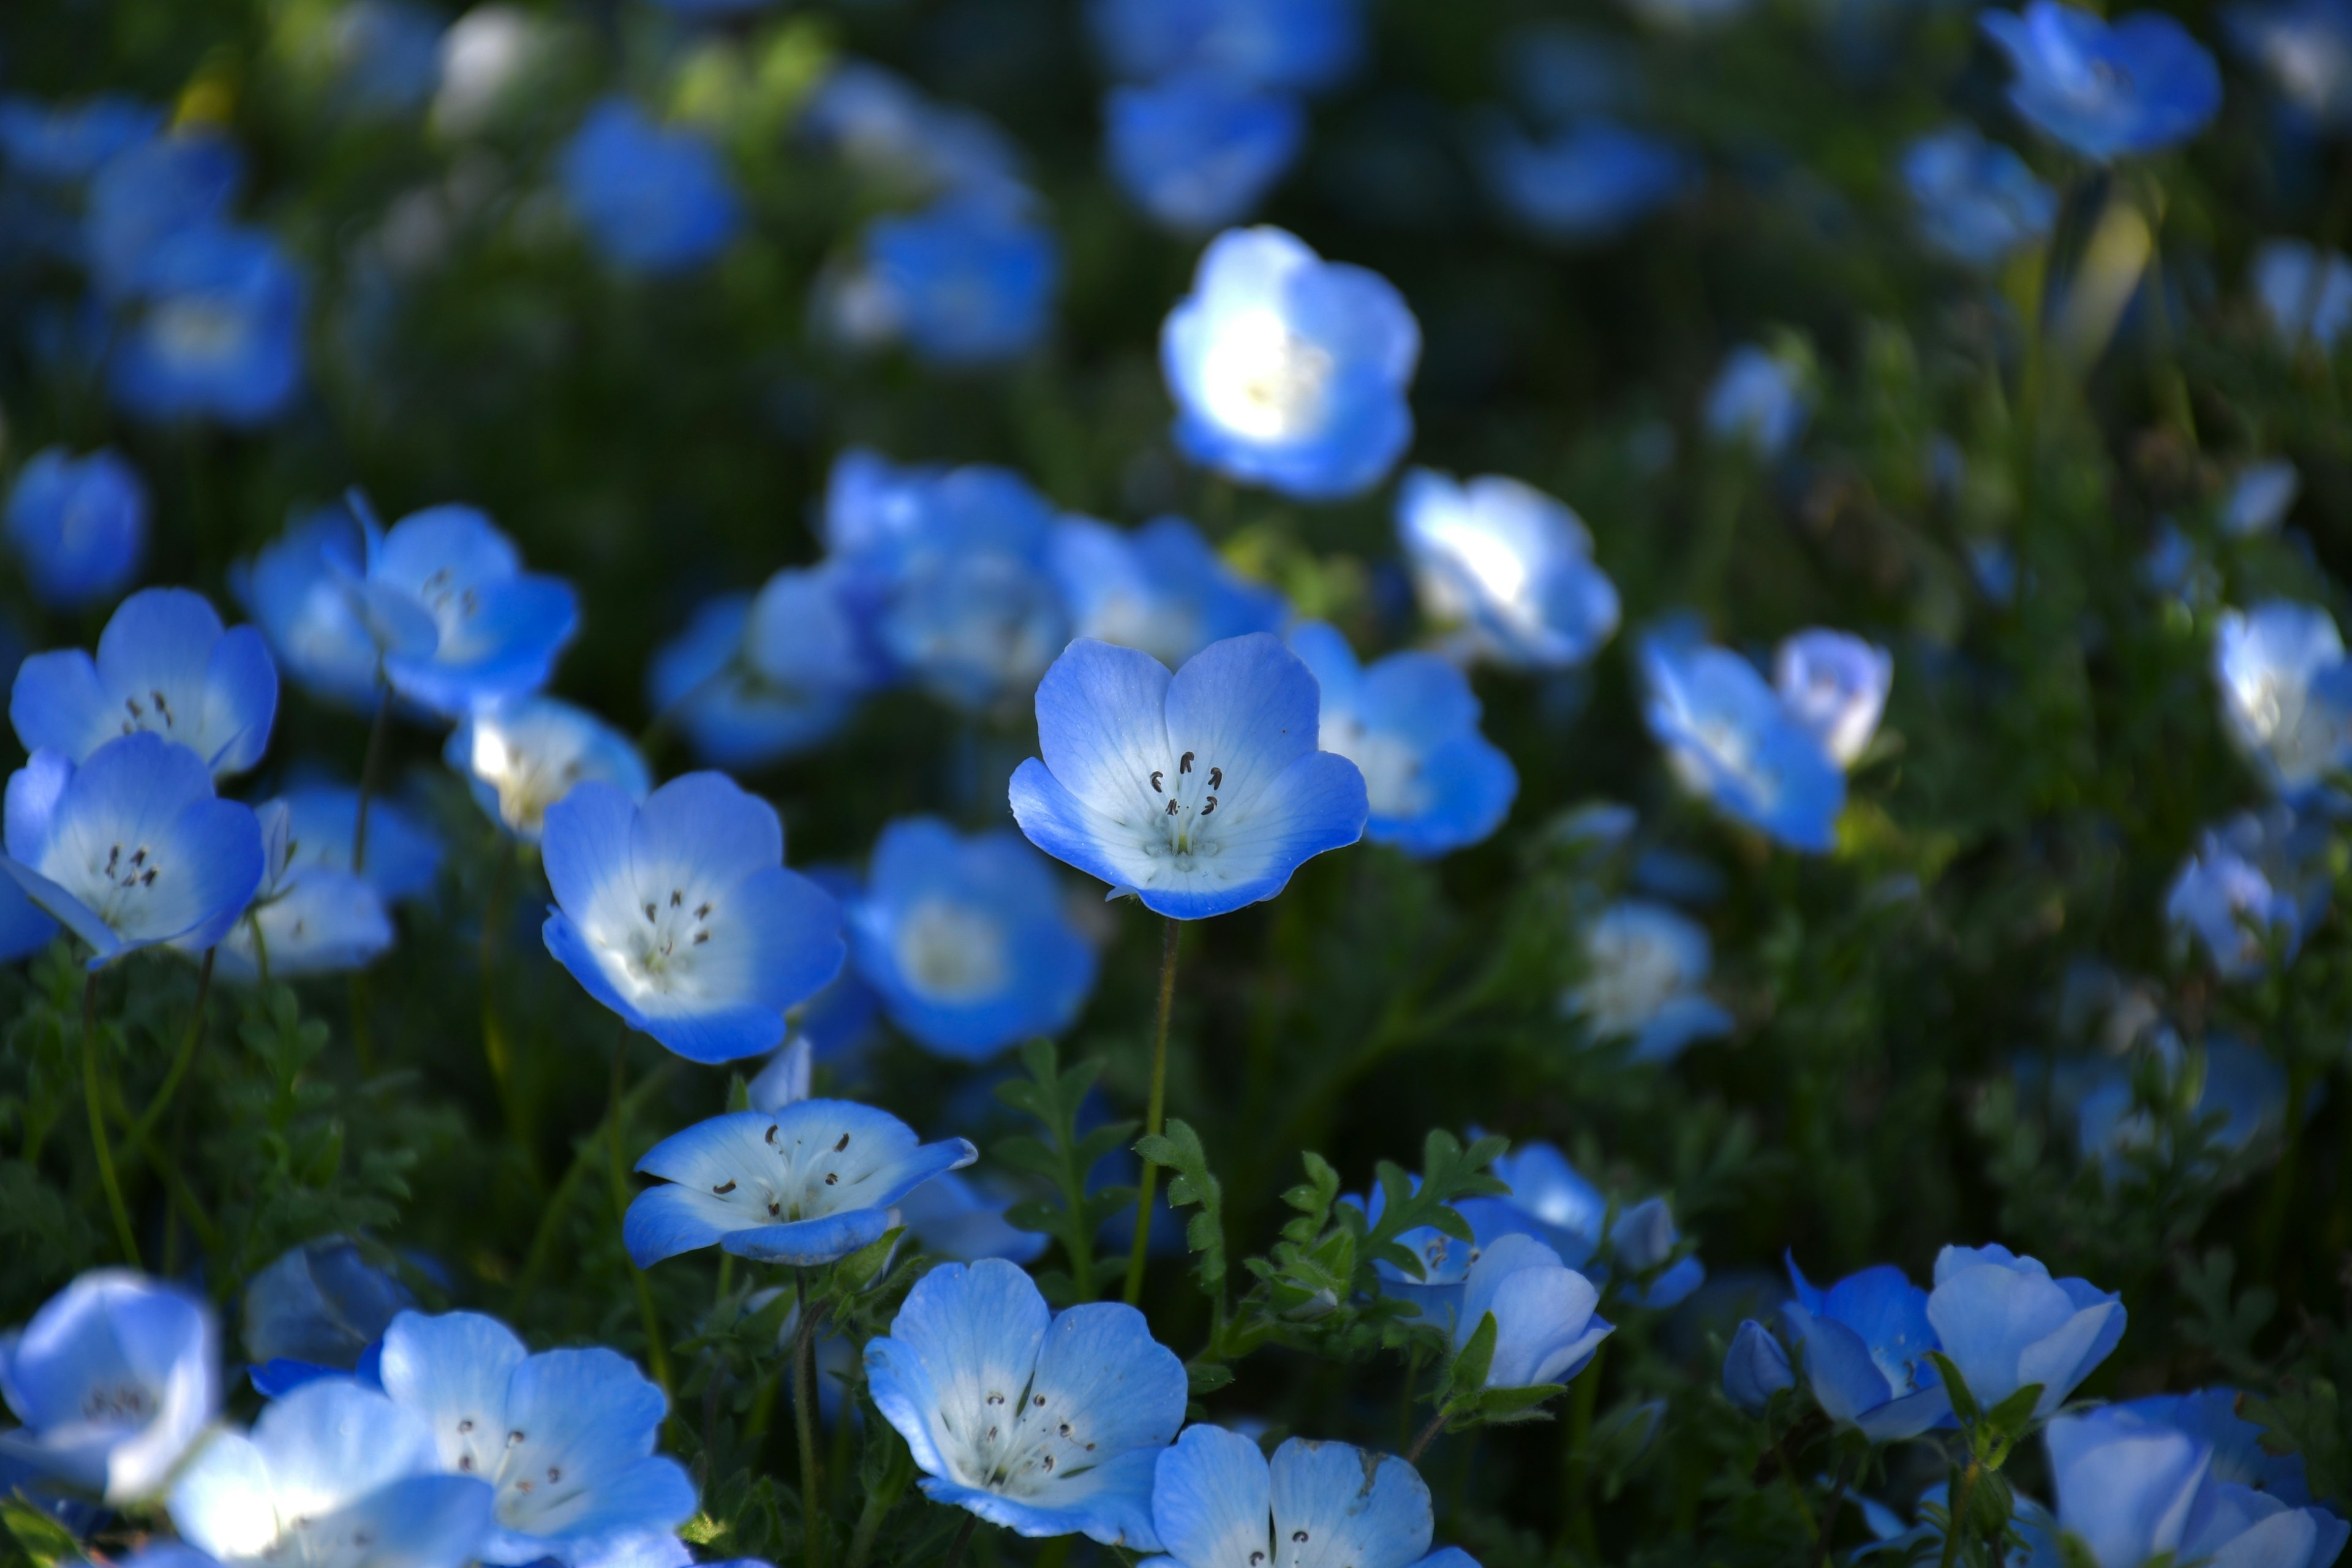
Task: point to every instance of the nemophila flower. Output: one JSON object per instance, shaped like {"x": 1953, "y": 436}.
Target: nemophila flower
{"x": 1546, "y": 1328}
{"x": 1509, "y": 565}
{"x": 966, "y": 940}
{"x": 1046, "y": 1424}
{"x": 1218, "y": 1502}
{"x": 521, "y": 757}
{"x": 1730, "y": 737}
{"x": 61, "y": 143}
{"x": 1835, "y": 684}
{"x": 404, "y": 856}
{"x": 969, "y": 280}
{"x": 956, "y": 1217}
{"x": 2103, "y": 89}
{"x": 1198, "y": 793}
{"x": 213, "y": 328}
{"x": 1305, "y": 45}
{"x": 654, "y": 198}
{"x": 2209, "y": 1417}
{"x": 2252, "y": 887}
{"x": 884, "y": 125}
{"x": 2286, "y": 691}
{"x": 1757, "y": 402}
{"x": 153, "y": 193}
{"x": 803, "y": 1183}
{"x": 564, "y": 1438}
{"x": 2259, "y": 498}
{"x": 1410, "y": 723}
{"x": 756, "y": 678}
{"x": 2305, "y": 47}
{"x": 2238, "y": 1084}
{"x": 2234, "y": 1523}
{"x": 1552, "y": 1200}
{"x": 115, "y": 1379}
{"x": 1974, "y": 200}
{"x": 166, "y": 665}
{"x": 1644, "y": 966}
{"x": 679, "y": 916}
{"x": 1755, "y": 1368}
{"x": 488, "y": 57}
{"x": 319, "y": 1309}
{"x": 333, "y": 1473}
{"x": 1862, "y": 1347}
{"x": 789, "y": 1077}
{"x": 2306, "y": 297}
{"x": 1289, "y": 371}
{"x": 1160, "y": 588}
{"x": 2005, "y": 1323}
{"x": 439, "y": 606}
{"x": 305, "y": 918}
{"x": 130, "y": 848}
{"x": 386, "y": 55}
{"x": 2125, "y": 1485}
{"x": 1199, "y": 150}
{"x": 78, "y": 525}
{"x": 1587, "y": 183}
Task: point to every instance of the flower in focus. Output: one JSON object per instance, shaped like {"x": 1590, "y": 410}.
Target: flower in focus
{"x": 1835, "y": 684}
{"x": 1300, "y": 44}
{"x": 164, "y": 665}
{"x": 78, "y": 525}
{"x": 1218, "y": 1501}
{"x": 305, "y": 918}
{"x": 1755, "y": 1368}
{"x": 1545, "y": 1326}
{"x": 319, "y": 1309}
{"x": 753, "y": 680}
{"x": 1046, "y": 1424}
{"x": 1289, "y": 371}
{"x": 1644, "y": 963}
{"x": 1198, "y": 793}
{"x": 1729, "y": 738}
{"x": 653, "y": 199}
{"x": 2305, "y": 49}
{"x": 1160, "y": 588}
{"x": 2254, "y": 885}
{"x": 2005, "y": 1323}
{"x": 214, "y": 330}
{"x": 2105, "y": 90}
{"x": 967, "y": 281}
{"x": 679, "y": 916}
{"x": 1584, "y": 184}
{"x": 2286, "y": 691}
{"x": 1197, "y": 151}
{"x": 1975, "y": 200}
{"x": 2305, "y": 295}
{"x": 1508, "y": 563}
{"x": 521, "y": 757}
{"x": 1756, "y": 403}
{"x": 115, "y": 1379}
{"x": 1863, "y": 1346}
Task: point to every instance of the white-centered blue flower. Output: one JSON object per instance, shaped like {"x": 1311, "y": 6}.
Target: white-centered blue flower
{"x": 521, "y": 757}
{"x": 1644, "y": 966}
{"x": 1729, "y": 738}
{"x": 1289, "y": 371}
{"x": 1835, "y": 684}
{"x": 2005, "y": 1323}
{"x": 2105, "y": 90}
{"x": 1546, "y": 1325}
{"x": 1199, "y": 793}
{"x": 131, "y": 849}
{"x": 403, "y": 854}
{"x": 1199, "y": 150}
{"x": 77, "y": 524}
{"x": 306, "y": 918}
{"x": 2286, "y": 691}
{"x": 1160, "y": 588}
{"x": 1758, "y": 403}
{"x": 2254, "y": 884}
{"x": 805, "y": 1184}
{"x": 679, "y": 916}
{"x": 755, "y": 678}
{"x": 564, "y": 1438}
{"x": 1218, "y": 1502}
{"x": 1047, "y": 1424}
{"x": 115, "y": 1379}
{"x": 165, "y": 664}
{"x": 1508, "y": 563}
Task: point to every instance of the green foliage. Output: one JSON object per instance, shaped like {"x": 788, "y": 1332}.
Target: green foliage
{"x": 1063, "y": 1157}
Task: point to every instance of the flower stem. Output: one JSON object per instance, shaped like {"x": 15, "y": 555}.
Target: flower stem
{"x": 1587, "y": 1394}
{"x": 804, "y": 1420}
{"x": 1955, "y": 1520}
{"x": 1428, "y": 1435}
{"x": 1155, "y": 1110}
{"x": 142, "y": 1128}
{"x": 955, "y": 1547}
{"x": 97, "y": 1136}
{"x": 369, "y": 767}
{"x": 559, "y": 1202}
{"x": 879, "y": 1504}
{"x": 498, "y": 1051}
{"x": 656, "y": 1353}
{"x": 1830, "y": 1517}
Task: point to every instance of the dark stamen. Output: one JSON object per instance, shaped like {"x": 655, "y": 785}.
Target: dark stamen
{"x": 1184, "y": 763}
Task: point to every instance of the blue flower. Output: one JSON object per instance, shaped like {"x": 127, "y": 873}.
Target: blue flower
{"x": 387, "y": 53}
{"x": 2305, "y": 49}
{"x": 2254, "y": 885}
{"x": 967, "y": 281}
{"x": 956, "y": 1217}
{"x": 130, "y": 848}
{"x": 1835, "y": 684}
{"x": 164, "y": 665}
{"x": 754, "y": 680}
{"x": 2233, "y": 1523}
{"x": 1305, "y": 45}
{"x": 439, "y": 606}
{"x": 317, "y": 1310}
{"x": 1755, "y": 1368}
{"x": 679, "y": 916}
{"x": 1160, "y": 588}
{"x": 803, "y": 1183}
{"x": 1729, "y": 738}
{"x": 1047, "y": 1424}
{"x": 79, "y": 524}
{"x": 2259, "y": 498}
{"x": 2307, "y": 295}
{"x": 331, "y": 1473}
{"x": 1289, "y": 371}
{"x": 565, "y": 1439}
{"x": 2105, "y": 90}
{"x": 1756, "y": 403}
{"x": 1586, "y": 184}
{"x": 966, "y": 940}
{"x": 1545, "y": 1329}
{"x": 2124, "y": 1484}
{"x": 2005, "y": 1323}
{"x": 2286, "y": 692}
{"x": 1552, "y": 1200}
{"x": 884, "y": 125}
{"x": 1199, "y": 150}
{"x": 2244, "y": 1086}
{"x": 521, "y": 757}
{"x": 2209, "y": 1417}
{"x": 1410, "y": 723}
{"x": 653, "y": 199}
{"x": 153, "y": 193}
{"x": 1198, "y": 793}
{"x": 1975, "y": 200}
{"x": 403, "y": 858}
{"x": 306, "y": 918}
{"x": 1217, "y": 1501}
{"x": 114, "y": 1379}
{"x": 62, "y": 142}
{"x": 1863, "y": 1346}
{"x": 1508, "y": 563}
{"x": 214, "y": 330}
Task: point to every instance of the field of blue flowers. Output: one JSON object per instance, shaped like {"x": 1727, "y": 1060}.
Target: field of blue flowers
{"x": 1227, "y": 784}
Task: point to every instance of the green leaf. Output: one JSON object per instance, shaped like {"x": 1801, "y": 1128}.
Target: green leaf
{"x": 1062, "y": 1157}
{"x": 2010, "y": 1418}
{"x": 1501, "y": 1406}
{"x": 1467, "y": 1377}
{"x": 1964, "y": 1404}
{"x": 1193, "y": 1185}
{"x": 857, "y": 1271}
{"x": 38, "y": 1534}
{"x": 1208, "y": 1376}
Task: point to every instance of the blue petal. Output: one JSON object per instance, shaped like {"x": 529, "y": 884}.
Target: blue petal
{"x": 963, "y": 1331}
{"x": 1247, "y": 704}
{"x": 1212, "y": 1497}
{"x": 571, "y": 950}
{"x": 58, "y": 704}
{"x": 1371, "y": 1511}
{"x": 706, "y": 826}
{"x": 809, "y": 1242}
{"x": 1102, "y": 725}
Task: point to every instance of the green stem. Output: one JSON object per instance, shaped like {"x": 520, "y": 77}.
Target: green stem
{"x": 879, "y": 1504}
{"x": 1428, "y": 1435}
{"x": 558, "y": 1202}
{"x": 97, "y": 1136}
{"x": 2278, "y": 1204}
{"x": 1155, "y": 1110}
{"x": 1587, "y": 1394}
{"x": 962, "y": 1534}
{"x": 617, "y": 1164}
{"x": 144, "y": 1127}
{"x": 1955, "y": 1524}
{"x": 177, "y": 1188}
{"x": 804, "y": 1420}
{"x": 369, "y": 767}
{"x": 1796, "y": 1489}
{"x": 497, "y": 1051}
{"x": 1828, "y": 1532}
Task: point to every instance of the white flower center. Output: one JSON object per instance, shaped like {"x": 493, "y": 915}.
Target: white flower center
{"x": 656, "y": 949}
{"x": 198, "y": 331}
{"x": 1631, "y": 974}
{"x": 120, "y": 885}
{"x": 1017, "y": 1444}
{"x": 1264, "y": 381}
{"x": 1185, "y": 826}
{"x": 952, "y": 952}
{"x": 527, "y": 783}
{"x": 1391, "y": 768}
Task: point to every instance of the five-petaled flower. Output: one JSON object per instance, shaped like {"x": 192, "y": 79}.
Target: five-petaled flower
{"x": 1219, "y": 1504}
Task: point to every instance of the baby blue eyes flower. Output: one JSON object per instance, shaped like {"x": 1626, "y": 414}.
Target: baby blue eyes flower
{"x": 2105, "y": 90}
{"x": 1160, "y": 589}
{"x": 882, "y": 124}
{"x": 1863, "y": 1346}
{"x": 175, "y": 185}
{"x": 2005, "y": 1323}
{"x": 1302, "y": 44}
{"x": 2305, "y": 295}
{"x": 1730, "y": 738}
{"x": 130, "y": 848}
{"x": 1644, "y": 963}
{"x": 564, "y": 1438}
{"x": 78, "y": 525}
{"x": 653, "y": 199}
{"x": 333, "y": 1473}
{"x": 2209, "y": 1417}
{"x": 1975, "y": 200}
{"x": 1046, "y": 1424}
{"x": 2260, "y": 499}
{"x": 1199, "y": 151}
{"x": 803, "y": 1183}
{"x": 679, "y": 916}
{"x": 523, "y": 756}
{"x": 756, "y": 678}
{"x": 1509, "y": 565}
{"x": 966, "y": 940}
{"x": 1288, "y": 370}
{"x": 1835, "y": 684}
{"x": 1198, "y": 793}
{"x": 1585, "y": 185}
{"x": 2125, "y": 1485}
{"x": 1758, "y": 403}
{"x": 1219, "y": 1504}
{"x": 1546, "y": 1328}
{"x": 320, "y": 1307}
{"x": 2256, "y": 883}
{"x": 166, "y": 665}
{"x": 968, "y": 281}
{"x": 114, "y": 1379}
{"x": 2245, "y": 1089}
{"x": 2305, "y": 47}
{"x": 404, "y": 856}
{"x": 1410, "y": 723}
{"x": 63, "y": 143}
{"x": 956, "y": 1217}
{"x": 1755, "y": 1368}
{"x": 1550, "y": 1199}
{"x": 214, "y": 330}
{"x": 305, "y": 918}
{"x": 2286, "y": 691}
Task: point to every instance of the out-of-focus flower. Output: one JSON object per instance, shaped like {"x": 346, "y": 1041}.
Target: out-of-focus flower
{"x": 1729, "y": 738}
{"x": 1160, "y": 588}
{"x": 521, "y": 757}
{"x": 1757, "y": 402}
{"x": 2005, "y": 1323}
{"x": 1644, "y": 964}
{"x": 1589, "y": 183}
{"x": 1755, "y": 1368}
{"x": 1289, "y": 371}
{"x": 2240, "y": 1084}
{"x": 1508, "y": 563}
{"x": 753, "y": 680}
{"x": 2210, "y": 1415}
{"x": 66, "y": 142}
{"x": 2136, "y": 85}
{"x": 2259, "y": 498}
{"x": 1305, "y": 45}
{"x": 152, "y": 193}
{"x": 213, "y": 328}
{"x": 404, "y": 856}
{"x": 2125, "y": 1485}
{"x": 882, "y": 125}
{"x": 1975, "y": 200}
{"x": 2286, "y": 691}
{"x": 2306, "y": 298}
{"x": 319, "y": 1309}
{"x": 78, "y": 525}
{"x": 1835, "y": 684}
{"x": 1199, "y": 151}
{"x": 305, "y": 918}
{"x": 2255, "y": 882}
{"x": 115, "y": 1378}
{"x": 486, "y": 55}
{"x": 1546, "y": 1328}
{"x": 1549, "y": 1199}
{"x": 654, "y": 199}
{"x": 1863, "y": 1346}
{"x": 967, "y": 281}
{"x": 1688, "y": 15}
{"x": 164, "y": 665}
{"x": 386, "y": 55}
{"x": 2305, "y": 49}
{"x": 956, "y": 1217}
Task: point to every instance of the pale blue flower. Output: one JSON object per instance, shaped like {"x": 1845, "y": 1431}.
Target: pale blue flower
{"x": 1645, "y": 965}
{"x": 1217, "y": 1501}
{"x": 1755, "y": 1368}
{"x": 306, "y": 918}
{"x": 2125, "y": 1485}
{"x": 654, "y": 198}
{"x": 1862, "y": 1347}
{"x": 2305, "y": 295}
{"x": 1508, "y": 563}
{"x": 956, "y": 1217}
{"x": 153, "y": 193}
{"x": 2259, "y": 497}
{"x": 319, "y": 1309}
{"x": 213, "y": 328}
{"x": 2005, "y": 1323}
{"x": 2253, "y": 885}
{"x": 2229, "y": 1523}
{"x": 1975, "y": 200}
{"x": 2286, "y": 692}
{"x": 1757, "y": 402}
{"x": 1835, "y": 684}
{"x": 2105, "y": 90}
{"x": 756, "y": 678}
{"x": 164, "y": 665}
{"x": 1199, "y": 150}
{"x": 967, "y": 281}
{"x": 1589, "y": 183}
{"x": 2305, "y": 47}
{"x": 1288, "y": 370}
{"x": 1552, "y": 1200}
{"x": 404, "y": 855}
{"x": 77, "y": 524}
{"x": 66, "y": 142}
{"x": 882, "y": 125}
{"x": 1546, "y": 1328}
{"x": 1305, "y": 45}
{"x": 2209, "y": 1417}
{"x": 1046, "y": 1424}
{"x": 1160, "y": 588}
{"x": 522, "y": 756}
{"x": 115, "y": 1379}
{"x": 1729, "y": 738}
